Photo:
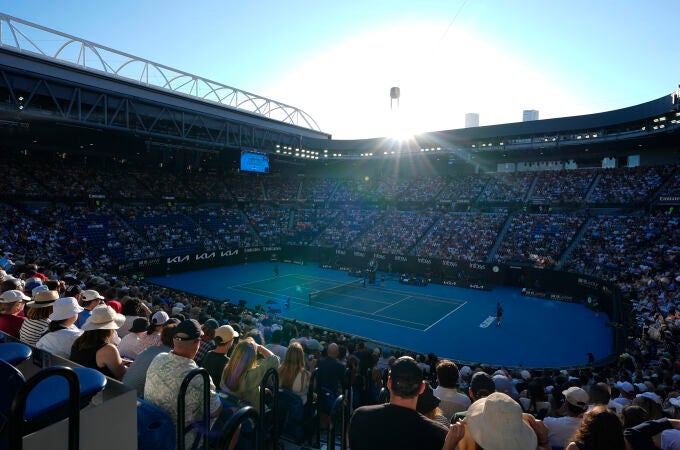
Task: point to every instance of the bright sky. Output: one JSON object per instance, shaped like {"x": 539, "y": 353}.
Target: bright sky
{"x": 338, "y": 60}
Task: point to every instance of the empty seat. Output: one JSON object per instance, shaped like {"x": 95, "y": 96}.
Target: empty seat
{"x": 49, "y": 396}
{"x": 14, "y": 352}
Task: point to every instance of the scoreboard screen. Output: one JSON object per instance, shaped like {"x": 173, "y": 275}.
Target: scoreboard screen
{"x": 254, "y": 162}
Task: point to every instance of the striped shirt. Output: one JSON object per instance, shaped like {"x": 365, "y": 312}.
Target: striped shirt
{"x": 32, "y": 330}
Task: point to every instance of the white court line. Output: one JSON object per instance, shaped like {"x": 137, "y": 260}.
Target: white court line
{"x": 447, "y": 315}
{"x": 369, "y": 318}
{"x": 393, "y": 304}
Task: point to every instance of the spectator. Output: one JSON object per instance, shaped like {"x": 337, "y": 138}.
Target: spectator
{"x": 167, "y": 372}
{"x": 152, "y": 337}
{"x": 37, "y": 317}
{"x": 560, "y": 429}
{"x": 132, "y": 343}
{"x": 428, "y": 406}
{"x": 397, "y": 424}
{"x": 600, "y": 429}
{"x": 93, "y": 349}
{"x": 497, "y": 422}
{"x": 243, "y": 375}
{"x": 275, "y": 344}
{"x": 452, "y": 400}
{"x": 329, "y": 379}
{"x": 11, "y": 311}
{"x": 89, "y": 300}
{"x": 207, "y": 343}
{"x": 535, "y": 402}
{"x": 135, "y": 376}
{"x": 481, "y": 385}
{"x": 132, "y": 309}
{"x": 292, "y": 373}
{"x": 600, "y": 394}
{"x": 215, "y": 360}
{"x": 61, "y": 332}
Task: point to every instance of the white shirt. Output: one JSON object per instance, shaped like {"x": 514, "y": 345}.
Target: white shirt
{"x": 59, "y": 342}
{"x": 452, "y": 401}
{"x": 560, "y": 429}
{"x": 131, "y": 345}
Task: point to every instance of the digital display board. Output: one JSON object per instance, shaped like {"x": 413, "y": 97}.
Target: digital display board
{"x": 254, "y": 162}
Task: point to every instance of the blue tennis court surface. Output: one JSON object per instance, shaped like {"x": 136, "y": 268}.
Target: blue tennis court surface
{"x": 450, "y": 322}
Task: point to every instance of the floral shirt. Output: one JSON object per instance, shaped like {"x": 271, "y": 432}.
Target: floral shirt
{"x": 163, "y": 380}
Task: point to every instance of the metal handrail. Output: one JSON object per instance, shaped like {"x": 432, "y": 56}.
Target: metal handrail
{"x": 181, "y": 412}
{"x": 337, "y": 415}
{"x": 272, "y": 374}
{"x": 240, "y": 416}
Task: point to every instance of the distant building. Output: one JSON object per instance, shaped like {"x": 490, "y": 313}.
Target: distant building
{"x": 471, "y": 120}
{"x": 529, "y": 114}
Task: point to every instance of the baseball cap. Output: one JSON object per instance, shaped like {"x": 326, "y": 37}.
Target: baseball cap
{"x": 225, "y": 333}
{"x": 406, "y": 376}
{"x": 577, "y": 397}
{"x": 90, "y": 295}
{"x": 159, "y": 318}
{"x": 73, "y": 290}
{"x": 191, "y": 330}
{"x": 212, "y": 323}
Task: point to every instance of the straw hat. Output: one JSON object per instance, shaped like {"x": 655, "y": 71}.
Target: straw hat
{"x": 104, "y": 318}
{"x": 495, "y": 422}
{"x": 43, "y": 299}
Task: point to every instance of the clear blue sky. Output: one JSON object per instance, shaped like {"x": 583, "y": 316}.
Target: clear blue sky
{"x": 338, "y": 60}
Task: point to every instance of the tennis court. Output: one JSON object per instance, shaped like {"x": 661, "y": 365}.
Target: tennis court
{"x": 411, "y": 310}
{"x": 450, "y": 322}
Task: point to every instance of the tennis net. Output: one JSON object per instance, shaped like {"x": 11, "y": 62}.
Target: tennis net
{"x": 319, "y": 296}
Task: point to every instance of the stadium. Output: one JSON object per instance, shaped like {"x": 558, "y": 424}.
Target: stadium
{"x": 213, "y": 203}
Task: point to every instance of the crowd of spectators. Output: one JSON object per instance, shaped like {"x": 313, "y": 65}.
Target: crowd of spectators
{"x": 459, "y": 235}
{"x": 350, "y": 224}
{"x": 464, "y": 189}
{"x": 507, "y": 187}
{"x": 565, "y": 186}
{"x": 397, "y": 231}
{"x": 538, "y": 238}
{"x": 629, "y": 185}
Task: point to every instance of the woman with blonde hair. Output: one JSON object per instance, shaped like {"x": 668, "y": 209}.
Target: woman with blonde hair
{"x": 292, "y": 372}
{"x": 242, "y": 375}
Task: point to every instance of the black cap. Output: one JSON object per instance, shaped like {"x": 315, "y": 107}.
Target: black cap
{"x": 72, "y": 290}
{"x": 481, "y": 385}
{"x": 189, "y": 329}
{"x": 406, "y": 376}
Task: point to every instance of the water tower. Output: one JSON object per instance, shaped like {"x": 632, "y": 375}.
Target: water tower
{"x": 395, "y": 93}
